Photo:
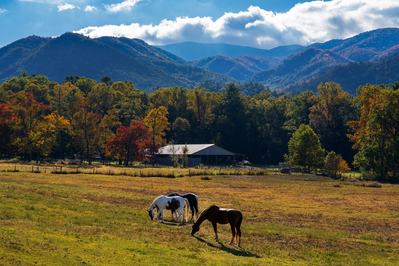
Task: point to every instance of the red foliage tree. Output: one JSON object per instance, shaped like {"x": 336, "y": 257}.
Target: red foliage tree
{"x": 129, "y": 143}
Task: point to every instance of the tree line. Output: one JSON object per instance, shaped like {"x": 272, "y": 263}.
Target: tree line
{"x": 80, "y": 117}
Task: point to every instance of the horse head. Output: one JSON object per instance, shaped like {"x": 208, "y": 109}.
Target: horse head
{"x": 151, "y": 214}
{"x": 194, "y": 229}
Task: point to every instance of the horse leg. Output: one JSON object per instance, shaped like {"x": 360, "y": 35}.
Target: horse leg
{"x": 192, "y": 212}
{"x": 233, "y": 232}
{"x": 216, "y": 230}
{"x": 239, "y": 236}
{"x": 162, "y": 215}
{"x": 178, "y": 217}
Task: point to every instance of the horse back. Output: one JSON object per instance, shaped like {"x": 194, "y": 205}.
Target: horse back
{"x": 225, "y": 216}
{"x": 174, "y": 202}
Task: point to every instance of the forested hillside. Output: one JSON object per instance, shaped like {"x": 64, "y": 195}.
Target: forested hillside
{"x": 301, "y": 66}
{"x": 353, "y": 75}
{"x": 82, "y": 118}
{"x": 123, "y": 59}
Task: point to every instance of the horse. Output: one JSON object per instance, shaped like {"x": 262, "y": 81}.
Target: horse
{"x": 169, "y": 203}
{"x": 216, "y": 215}
{"x": 192, "y": 199}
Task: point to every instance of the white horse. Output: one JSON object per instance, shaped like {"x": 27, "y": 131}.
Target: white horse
{"x": 170, "y": 203}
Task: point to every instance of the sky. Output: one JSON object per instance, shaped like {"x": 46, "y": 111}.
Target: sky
{"x": 262, "y": 24}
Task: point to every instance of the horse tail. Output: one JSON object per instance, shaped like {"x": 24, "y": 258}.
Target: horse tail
{"x": 187, "y": 208}
{"x": 196, "y": 206}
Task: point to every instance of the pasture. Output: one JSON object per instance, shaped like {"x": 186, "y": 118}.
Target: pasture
{"x": 93, "y": 219}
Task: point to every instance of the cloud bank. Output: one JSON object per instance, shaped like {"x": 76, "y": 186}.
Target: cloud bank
{"x": 306, "y": 23}
{"x": 2, "y": 11}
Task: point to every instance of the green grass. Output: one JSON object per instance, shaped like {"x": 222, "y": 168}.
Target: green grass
{"x": 92, "y": 219}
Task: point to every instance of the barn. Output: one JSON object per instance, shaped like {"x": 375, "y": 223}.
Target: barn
{"x": 207, "y": 154}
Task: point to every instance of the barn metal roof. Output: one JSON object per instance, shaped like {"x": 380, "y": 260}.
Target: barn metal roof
{"x": 195, "y": 149}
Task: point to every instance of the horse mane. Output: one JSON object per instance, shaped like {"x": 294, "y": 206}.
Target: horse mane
{"x": 207, "y": 209}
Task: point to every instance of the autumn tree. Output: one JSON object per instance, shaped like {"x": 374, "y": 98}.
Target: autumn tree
{"x": 108, "y": 125}
{"x": 87, "y": 136}
{"x": 129, "y": 143}
{"x": 157, "y": 123}
{"x": 376, "y": 133}
{"x": 45, "y": 136}
{"x": 304, "y": 148}
{"x": 28, "y": 114}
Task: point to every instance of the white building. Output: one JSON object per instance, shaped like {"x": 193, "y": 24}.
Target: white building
{"x": 208, "y": 154}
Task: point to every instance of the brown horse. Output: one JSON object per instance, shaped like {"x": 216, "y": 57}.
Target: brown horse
{"x": 216, "y": 215}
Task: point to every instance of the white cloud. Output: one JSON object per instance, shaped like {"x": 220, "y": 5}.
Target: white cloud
{"x": 2, "y": 11}
{"x": 306, "y": 23}
{"x": 90, "y": 9}
{"x": 65, "y": 7}
{"x": 125, "y": 5}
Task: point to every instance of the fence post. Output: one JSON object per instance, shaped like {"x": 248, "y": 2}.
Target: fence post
{"x": 32, "y": 168}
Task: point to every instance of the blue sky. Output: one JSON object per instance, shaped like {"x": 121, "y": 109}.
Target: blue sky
{"x": 257, "y": 23}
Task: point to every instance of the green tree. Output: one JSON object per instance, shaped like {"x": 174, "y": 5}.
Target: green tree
{"x": 331, "y": 164}
{"x": 180, "y": 130}
{"x": 304, "y": 148}
{"x": 329, "y": 116}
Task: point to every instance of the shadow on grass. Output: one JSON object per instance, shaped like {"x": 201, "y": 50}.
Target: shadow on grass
{"x": 237, "y": 252}
{"x": 173, "y": 223}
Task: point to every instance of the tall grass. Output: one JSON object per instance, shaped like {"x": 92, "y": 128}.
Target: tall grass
{"x": 130, "y": 171}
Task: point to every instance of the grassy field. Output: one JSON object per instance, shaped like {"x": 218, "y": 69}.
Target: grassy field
{"x": 93, "y": 219}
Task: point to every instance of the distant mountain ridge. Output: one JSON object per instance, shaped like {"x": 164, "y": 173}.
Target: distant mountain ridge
{"x": 123, "y": 59}
{"x": 301, "y": 66}
{"x": 191, "y": 51}
{"x": 240, "y": 67}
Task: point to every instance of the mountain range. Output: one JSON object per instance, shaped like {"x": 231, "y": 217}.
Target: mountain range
{"x": 295, "y": 63}
{"x": 148, "y": 67}
{"x": 291, "y": 67}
